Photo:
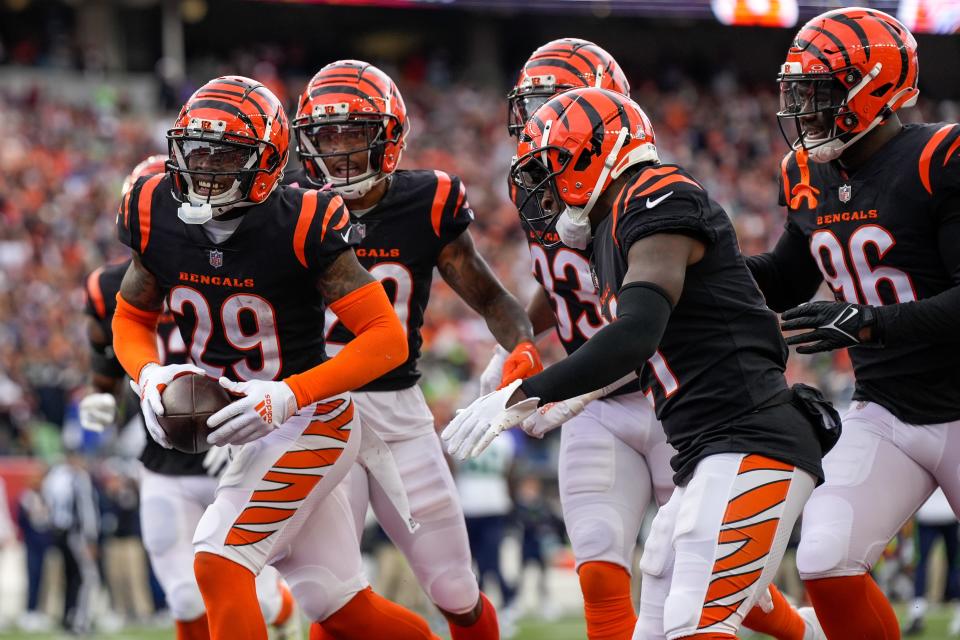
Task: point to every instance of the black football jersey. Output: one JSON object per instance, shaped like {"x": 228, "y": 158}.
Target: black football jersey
{"x": 873, "y": 236}
{"x": 102, "y": 288}
{"x": 248, "y": 307}
{"x": 400, "y": 242}
{"x": 722, "y": 356}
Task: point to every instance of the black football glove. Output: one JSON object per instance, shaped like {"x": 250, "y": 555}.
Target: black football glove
{"x": 834, "y": 325}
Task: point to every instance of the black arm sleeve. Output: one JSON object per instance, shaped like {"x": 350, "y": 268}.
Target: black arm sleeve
{"x": 937, "y": 318}
{"x": 643, "y": 310}
{"x": 788, "y": 275}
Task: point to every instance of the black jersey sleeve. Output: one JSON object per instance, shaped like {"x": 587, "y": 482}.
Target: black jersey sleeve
{"x": 787, "y": 275}
{"x": 450, "y": 212}
{"x": 939, "y": 165}
{"x": 661, "y": 200}
{"x": 133, "y": 218}
{"x": 323, "y": 230}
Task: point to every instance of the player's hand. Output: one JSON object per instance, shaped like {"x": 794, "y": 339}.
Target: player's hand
{"x": 832, "y": 325}
{"x": 493, "y": 374}
{"x": 474, "y": 428}
{"x": 552, "y": 415}
{"x": 265, "y": 405}
{"x": 97, "y": 411}
{"x": 523, "y": 362}
{"x": 154, "y": 378}
{"x": 216, "y": 460}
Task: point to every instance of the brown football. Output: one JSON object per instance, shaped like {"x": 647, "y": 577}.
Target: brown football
{"x": 188, "y": 401}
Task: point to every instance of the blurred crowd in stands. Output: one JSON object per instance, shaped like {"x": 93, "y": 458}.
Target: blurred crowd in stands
{"x": 61, "y": 167}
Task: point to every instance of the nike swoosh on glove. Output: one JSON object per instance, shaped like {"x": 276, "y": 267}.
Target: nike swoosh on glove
{"x": 831, "y": 325}
{"x": 97, "y": 410}
{"x": 265, "y": 405}
{"x": 493, "y": 373}
{"x": 474, "y": 428}
{"x": 523, "y": 362}
{"x": 154, "y": 378}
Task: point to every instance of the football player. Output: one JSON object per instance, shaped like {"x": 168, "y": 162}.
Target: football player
{"x": 689, "y": 316}
{"x": 873, "y": 209}
{"x": 175, "y": 487}
{"x": 350, "y": 130}
{"x": 613, "y": 455}
{"x": 247, "y": 268}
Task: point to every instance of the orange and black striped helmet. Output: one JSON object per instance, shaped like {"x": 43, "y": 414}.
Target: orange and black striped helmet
{"x": 350, "y": 107}
{"x": 560, "y": 65}
{"x": 846, "y": 72}
{"x": 574, "y": 146}
{"x": 228, "y": 146}
{"x": 151, "y": 165}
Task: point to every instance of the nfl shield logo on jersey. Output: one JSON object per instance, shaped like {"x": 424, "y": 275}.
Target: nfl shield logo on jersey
{"x": 845, "y": 192}
{"x": 361, "y": 230}
{"x": 216, "y": 258}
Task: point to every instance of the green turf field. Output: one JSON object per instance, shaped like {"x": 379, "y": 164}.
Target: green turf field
{"x": 565, "y": 629}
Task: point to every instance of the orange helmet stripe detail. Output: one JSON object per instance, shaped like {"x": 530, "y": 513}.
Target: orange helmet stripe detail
{"x": 96, "y": 293}
{"x": 143, "y": 209}
{"x": 927, "y": 155}
{"x": 308, "y": 209}
{"x": 439, "y": 200}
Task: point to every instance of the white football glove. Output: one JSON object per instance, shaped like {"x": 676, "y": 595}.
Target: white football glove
{"x": 474, "y": 428}
{"x": 265, "y": 406}
{"x": 153, "y": 379}
{"x": 97, "y": 411}
{"x": 216, "y": 460}
{"x": 491, "y": 376}
{"x": 552, "y": 415}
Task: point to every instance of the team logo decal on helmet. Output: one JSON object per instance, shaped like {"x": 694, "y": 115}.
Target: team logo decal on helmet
{"x": 228, "y": 147}
{"x": 560, "y": 65}
{"x": 845, "y": 73}
{"x": 569, "y": 152}
{"x": 350, "y": 127}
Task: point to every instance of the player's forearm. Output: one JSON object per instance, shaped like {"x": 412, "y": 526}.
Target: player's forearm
{"x": 541, "y": 313}
{"x": 617, "y": 349}
{"x": 134, "y": 337}
{"x": 931, "y": 320}
{"x": 380, "y": 346}
{"x": 507, "y": 320}
{"x": 787, "y": 275}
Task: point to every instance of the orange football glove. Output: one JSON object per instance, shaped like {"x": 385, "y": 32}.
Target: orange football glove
{"x": 523, "y": 362}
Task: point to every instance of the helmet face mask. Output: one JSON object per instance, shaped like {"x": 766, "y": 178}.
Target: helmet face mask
{"x": 817, "y": 106}
{"x": 227, "y": 148}
{"x": 542, "y": 206}
{"x": 350, "y": 126}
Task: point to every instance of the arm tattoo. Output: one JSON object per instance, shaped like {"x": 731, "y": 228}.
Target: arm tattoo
{"x": 140, "y": 288}
{"x": 342, "y": 276}
{"x": 470, "y": 277}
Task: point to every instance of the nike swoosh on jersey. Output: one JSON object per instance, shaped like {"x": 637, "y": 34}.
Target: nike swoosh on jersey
{"x": 652, "y": 203}
{"x": 345, "y": 236}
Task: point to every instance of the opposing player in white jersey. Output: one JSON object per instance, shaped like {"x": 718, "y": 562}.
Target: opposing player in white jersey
{"x": 351, "y": 125}
{"x": 175, "y": 487}
{"x": 613, "y": 456}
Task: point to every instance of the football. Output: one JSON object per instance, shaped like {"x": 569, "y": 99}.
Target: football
{"x": 187, "y": 403}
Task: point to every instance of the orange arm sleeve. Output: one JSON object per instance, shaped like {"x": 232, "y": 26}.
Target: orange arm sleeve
{"x": 379, "y": 346}
{"x": 134, "y": 337}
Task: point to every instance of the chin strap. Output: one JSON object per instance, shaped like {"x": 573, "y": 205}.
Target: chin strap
{"x": 195, "y": 213}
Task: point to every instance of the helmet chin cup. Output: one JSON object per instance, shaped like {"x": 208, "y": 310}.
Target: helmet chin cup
{"x": 356, "y": 190}
{"x": 573, "y": 227}
{"x": 194, "y": 213}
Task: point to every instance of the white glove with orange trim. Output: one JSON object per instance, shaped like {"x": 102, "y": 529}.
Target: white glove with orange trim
{"x": 153, "y": 379}
{"x": 265, "y": 405}
{"x": 553, "y": 414}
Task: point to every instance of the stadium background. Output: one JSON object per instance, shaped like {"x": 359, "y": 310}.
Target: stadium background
{"x": 88, "y": 88}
